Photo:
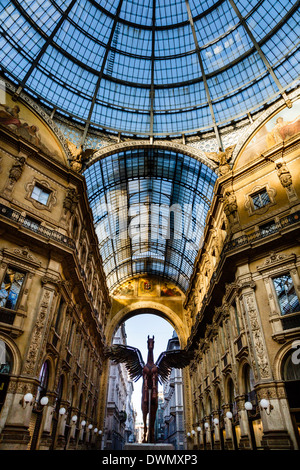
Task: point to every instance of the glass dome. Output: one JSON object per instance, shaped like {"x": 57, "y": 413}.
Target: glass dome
{"x": 155, "y": 68}
{"x": 149, "y": 209}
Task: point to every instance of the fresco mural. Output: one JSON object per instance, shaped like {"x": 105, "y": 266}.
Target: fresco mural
{"x": 24, "y": 123}
{"x": 284, "y": 125}
{"x": 144, "y": 287}
{"x": 147, "y": 286}
{"x": 168, "y": 290}
{"x": 125, "y": 289}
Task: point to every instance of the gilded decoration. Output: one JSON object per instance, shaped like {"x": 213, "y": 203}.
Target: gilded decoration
{"x": 147, "y": 287}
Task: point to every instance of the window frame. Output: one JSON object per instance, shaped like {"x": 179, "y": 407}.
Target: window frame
{"x": 17, "y": 303}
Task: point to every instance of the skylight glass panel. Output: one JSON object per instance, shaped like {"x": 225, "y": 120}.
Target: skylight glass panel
{"x": 171, "y": 12}
{"x": 175, "y": 41}
{"x": 134, "y": 41}
{"x": 90, "y": 19}
{"x": 283, "y": 41}
{"x": 176, "y": 70}
{"x": 43, "y": 13}
{"x": 265, "y": 16}
{"x": 129, "y": 69}
{"x": 199, "y": 7}
{"x": 137, "y": 12}
{"x": 226, "y": 50}
{"x": 164, "y": 206}
{"x": 180, "y": 98}
{"x": 80, "y": 46}
{"x": 19, "y": 32}
{"x": 71, "y": 62}
{"x": 215, "y": 24}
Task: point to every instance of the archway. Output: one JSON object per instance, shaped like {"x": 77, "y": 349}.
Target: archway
{"x": 134, "y": 328}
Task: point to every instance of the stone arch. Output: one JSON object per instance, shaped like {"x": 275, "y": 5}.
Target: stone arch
{"x": 51, "y": 370}
{"x": 16, "y": 356}
{"x": 155, "y": 308}
{"x": 243, "y": 364}
{"x": 217, "y": 396}
{"x": 281, "y": 356}
{"x": 227, "y": 382}
{"x": 136, "y": 144}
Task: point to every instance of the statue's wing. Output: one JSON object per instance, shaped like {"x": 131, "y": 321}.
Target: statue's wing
{"x": 213, "y": 156}
{"x": 174, "y": 359}
{"x": 229, "y": 151}
{"x": 131, "y": 357}
{"x": 73, "y": 149}
{"x": 88, "y": 153}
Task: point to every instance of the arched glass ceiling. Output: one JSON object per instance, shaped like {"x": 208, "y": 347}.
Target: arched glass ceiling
{"x": 151, "y": 67}
{"x": 149, "y": 209}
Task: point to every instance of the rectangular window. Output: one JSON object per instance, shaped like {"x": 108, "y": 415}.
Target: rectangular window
{"x": 10, "y": 288}
{"x": 286, "y": 294}
{"x": 40, "y": 194}
{"x": 260, "y": 199}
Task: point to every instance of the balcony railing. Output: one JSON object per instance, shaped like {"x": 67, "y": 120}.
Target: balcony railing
{"x": 260, "y": 234}
{"x": 15, "y": 216}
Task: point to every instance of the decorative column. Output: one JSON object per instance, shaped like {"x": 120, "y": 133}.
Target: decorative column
{"x": 275, "y": 434}
{"x": 245, "y": 441}
{"x": 229, "y": 441}
{"x": 48, "y": 411}
{"x": 217, "y": 443}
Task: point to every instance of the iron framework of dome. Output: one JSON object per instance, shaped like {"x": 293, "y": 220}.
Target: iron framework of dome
{"x": 149, "y": 208}
{"x": 157, "y": 68}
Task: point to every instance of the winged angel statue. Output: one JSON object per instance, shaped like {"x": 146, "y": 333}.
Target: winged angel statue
{"x": 222, "y": 158}
{"x": 151, "y": 372}
{"x": 79, "y": 156}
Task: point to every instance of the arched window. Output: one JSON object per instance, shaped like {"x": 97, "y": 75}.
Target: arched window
{"x": 6, "y": 361}
{"x": 291, "y": 367}
{"x": 248, "y": 379}
{"x": 6, "y": 365}
{"x": 290, "y": 372}
{"x": 43, "y": 378}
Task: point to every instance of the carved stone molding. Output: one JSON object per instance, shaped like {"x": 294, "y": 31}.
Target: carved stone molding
{"x": 276, "y": 259}
{"x": 21, "y": 256}
{"x": 256, "y": 336}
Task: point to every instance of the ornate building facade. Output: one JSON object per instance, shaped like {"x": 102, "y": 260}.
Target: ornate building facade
{"x": 54, "y": 298}
{"x": 243, "y": 304}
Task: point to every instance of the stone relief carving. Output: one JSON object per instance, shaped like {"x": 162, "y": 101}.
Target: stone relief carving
{"x": 259, "y": 346}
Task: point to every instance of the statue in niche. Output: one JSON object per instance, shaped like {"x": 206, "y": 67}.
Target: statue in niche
{"x": 17, "y": 169}
{"x": 222, "y": 158}
{"x": 71, "y": 200}
{"x": 230, "y": 204}
{"x": 151, "y": 372}
{"x": 284, "y": 175}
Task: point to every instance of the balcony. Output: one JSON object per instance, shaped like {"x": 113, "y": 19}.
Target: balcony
{"x": 273, "y": 228}
{"x": 16, "y": 216}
